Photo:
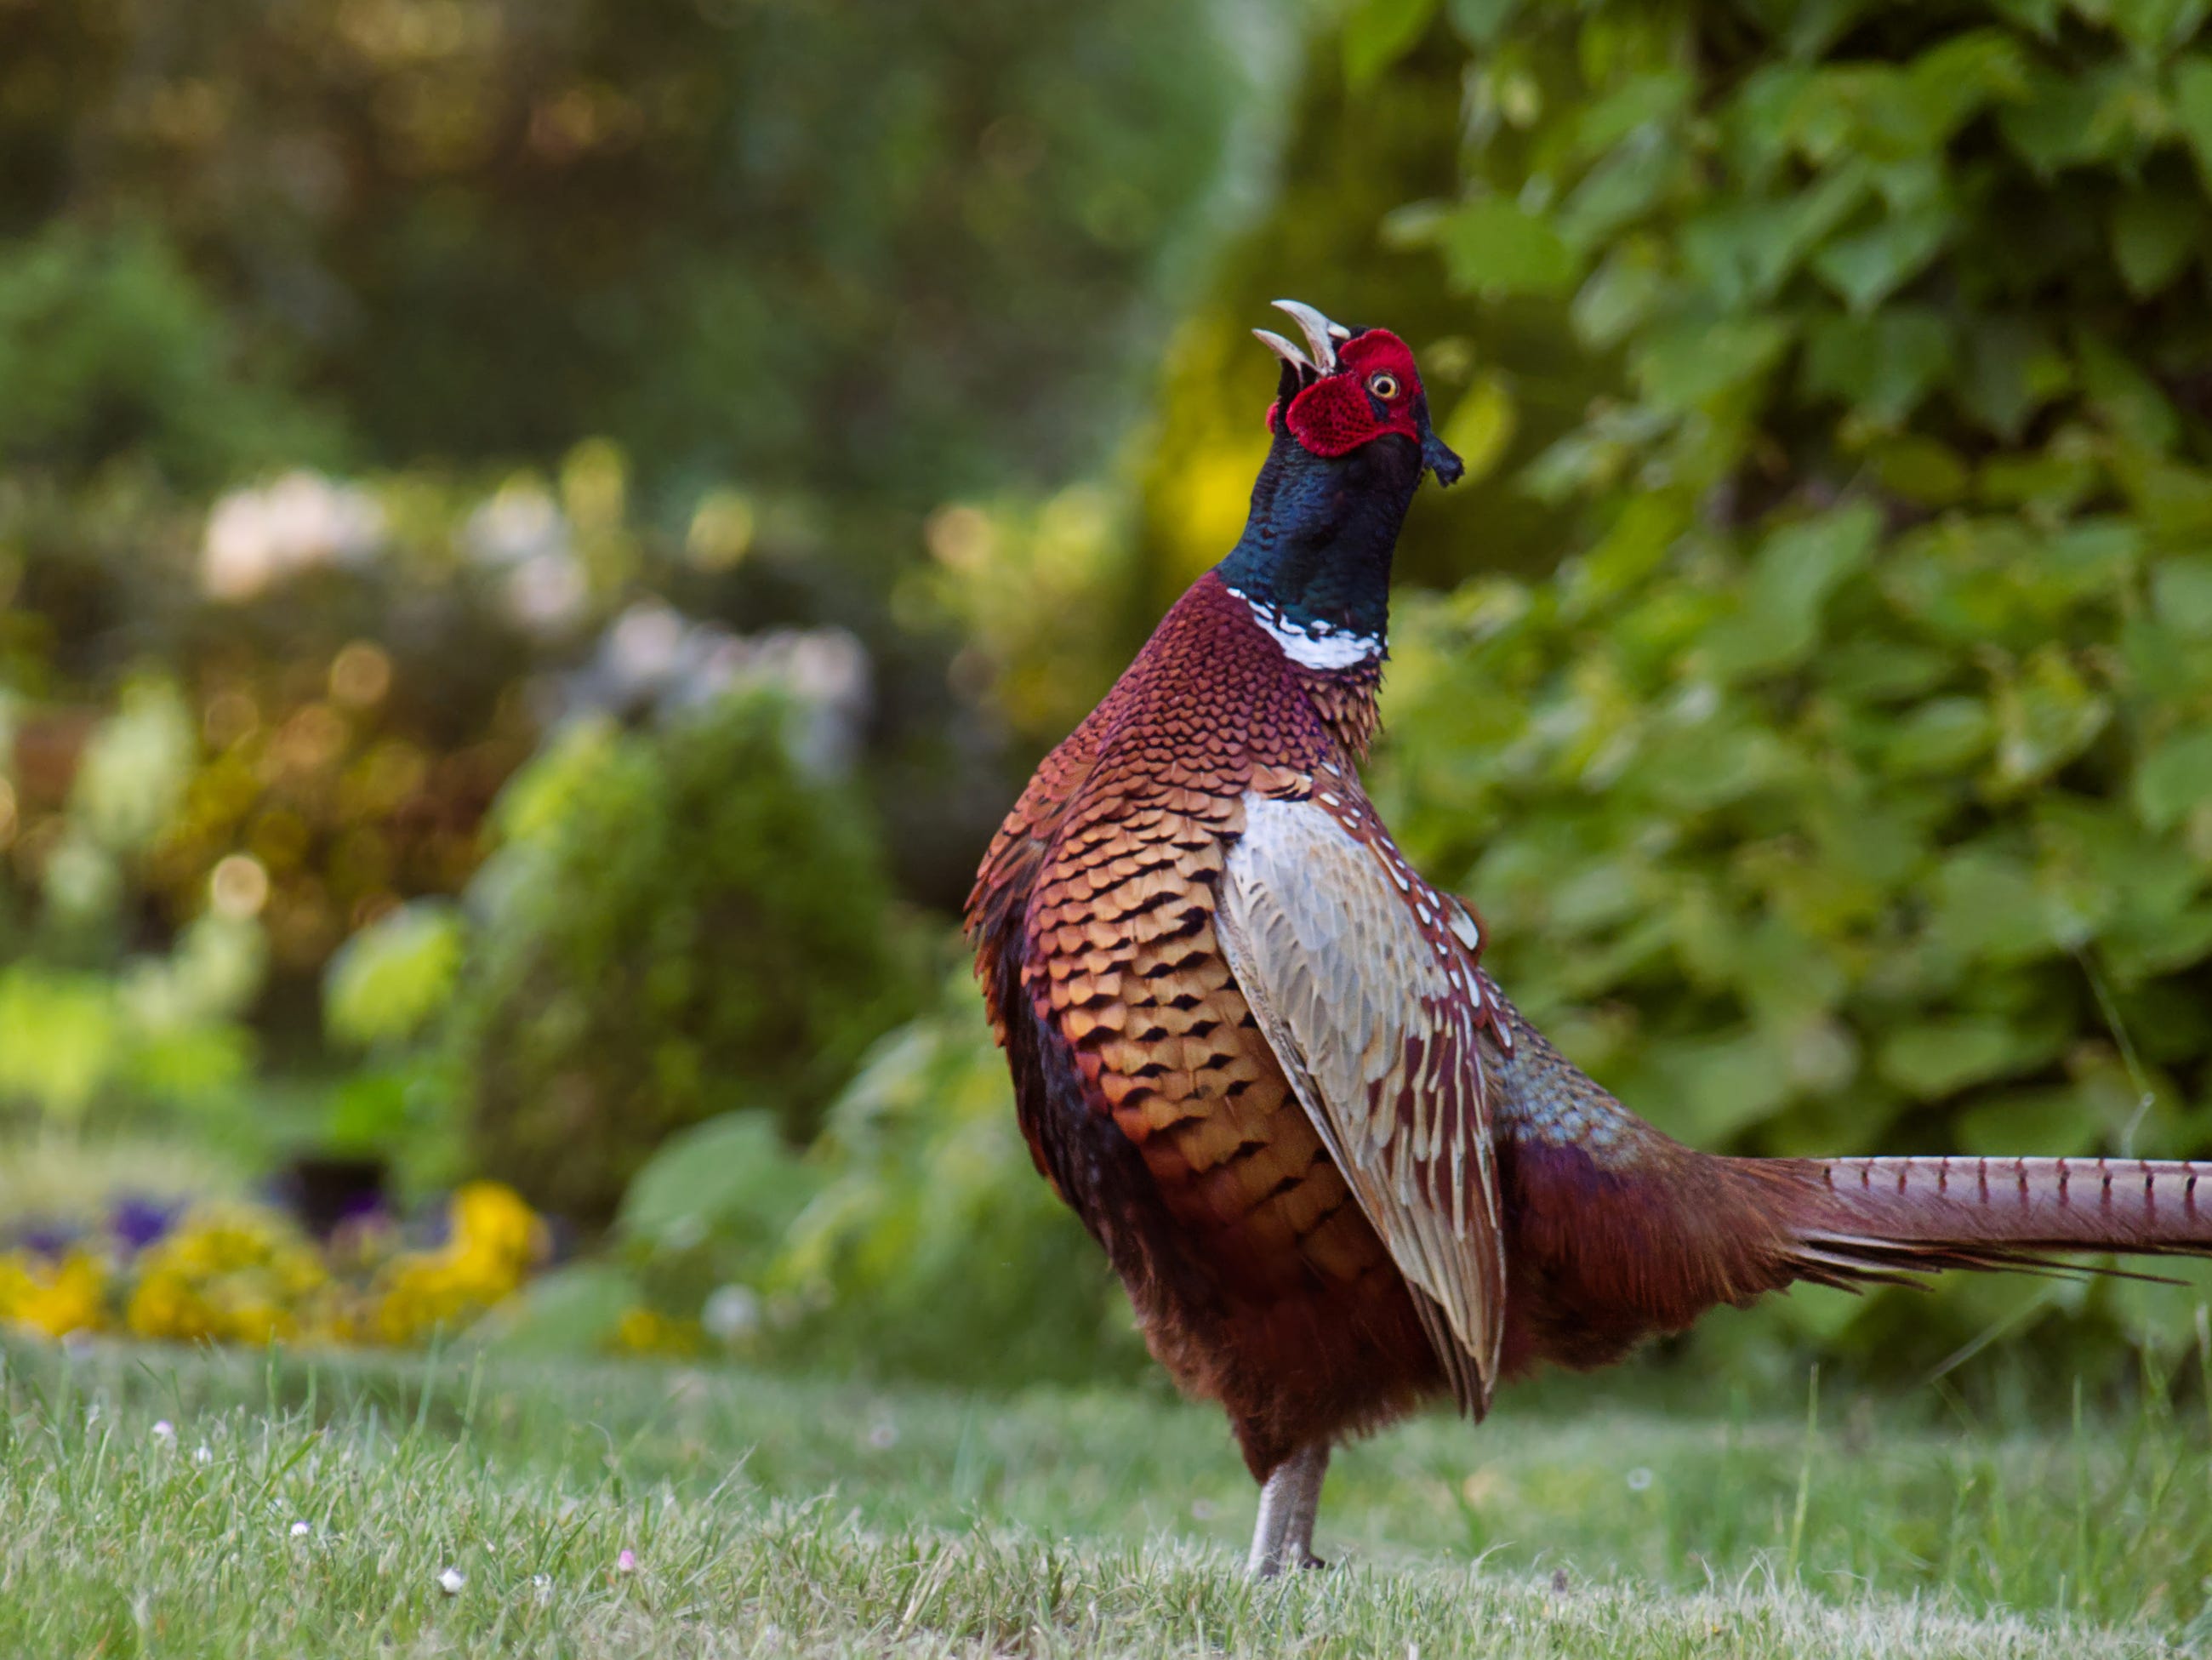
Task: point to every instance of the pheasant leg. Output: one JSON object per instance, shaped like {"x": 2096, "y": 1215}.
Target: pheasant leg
{"x": 1283, "y": 1536}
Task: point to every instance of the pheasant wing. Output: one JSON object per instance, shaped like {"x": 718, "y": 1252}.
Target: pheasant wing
{"x": 1363, "y": 979}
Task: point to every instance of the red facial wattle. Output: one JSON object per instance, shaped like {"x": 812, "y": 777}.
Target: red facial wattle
{"x": 1374, "y": 391}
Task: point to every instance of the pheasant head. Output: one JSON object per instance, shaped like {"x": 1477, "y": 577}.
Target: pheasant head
{"x": 1352, "y": 441}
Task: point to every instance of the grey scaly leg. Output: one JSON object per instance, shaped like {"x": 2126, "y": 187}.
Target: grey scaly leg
{"x": 1283, "y": 1536}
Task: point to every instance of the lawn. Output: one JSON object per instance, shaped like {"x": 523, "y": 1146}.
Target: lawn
{"x": 172, "y": 1502}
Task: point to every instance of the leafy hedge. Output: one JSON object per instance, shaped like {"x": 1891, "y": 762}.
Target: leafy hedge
{"x": 677, "y": 924}
{"x": 1851, "y": 786}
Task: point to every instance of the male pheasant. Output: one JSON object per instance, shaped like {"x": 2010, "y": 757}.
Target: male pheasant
{"x": 1258, "y": 1056}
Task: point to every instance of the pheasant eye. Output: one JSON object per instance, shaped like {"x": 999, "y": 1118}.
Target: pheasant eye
{"x": 1383, "y": 385}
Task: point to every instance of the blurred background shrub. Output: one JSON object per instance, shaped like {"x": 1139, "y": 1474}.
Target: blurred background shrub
{"x": 933, "y": 1244}
{"x": 674, "y": 925}
{"x": 535, "y": 546}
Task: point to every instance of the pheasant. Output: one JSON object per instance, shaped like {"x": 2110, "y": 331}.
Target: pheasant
{"x": 1258, "y": 1056}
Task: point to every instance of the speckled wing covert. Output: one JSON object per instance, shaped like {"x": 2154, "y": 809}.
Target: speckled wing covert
{"x": 1363, "y": 978}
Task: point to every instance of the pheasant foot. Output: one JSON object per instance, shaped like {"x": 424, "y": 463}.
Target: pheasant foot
{"x": 1283, "y": 1535}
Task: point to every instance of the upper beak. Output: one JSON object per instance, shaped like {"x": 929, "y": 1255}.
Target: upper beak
{"x": 1320, "y": 334}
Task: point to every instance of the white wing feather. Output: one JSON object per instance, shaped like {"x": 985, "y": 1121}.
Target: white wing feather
{"x": 1376, "y": 1020}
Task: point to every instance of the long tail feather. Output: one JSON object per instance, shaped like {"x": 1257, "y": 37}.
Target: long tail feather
{"x": 1863, "y": 1220}
{"x": 1617, "y": 1232}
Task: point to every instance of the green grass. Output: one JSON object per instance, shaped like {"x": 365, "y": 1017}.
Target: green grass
{"x": 771, "y": 1516}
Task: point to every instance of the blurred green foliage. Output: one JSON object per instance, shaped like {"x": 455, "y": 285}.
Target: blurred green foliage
{"x": 674, "y": 925}
{"x": 831, "y": 248}
{"x": 933, "y": 1245}
{"x": 93, "y": 1021}
{"x": 394, "y": 976}
{"x": 109, "y": 346}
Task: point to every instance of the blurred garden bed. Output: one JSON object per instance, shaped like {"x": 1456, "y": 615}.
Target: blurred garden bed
{"x": 504, "y": 548}
{"x": 241, "y": 1273}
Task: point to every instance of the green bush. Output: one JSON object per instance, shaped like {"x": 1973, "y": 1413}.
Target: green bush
{"x": 675, "y": 925}
{"x": 1850, "y": 787}
{"x": 96, "y": 1026}
{"x": 913, "y": 1239}
{"x": 935, "y": 1247}
{"x": 109, "y": 347}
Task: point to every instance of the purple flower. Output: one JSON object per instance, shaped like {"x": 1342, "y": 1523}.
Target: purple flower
{"x": 47, "y": 1238}
{"x": 138, "y": 1222}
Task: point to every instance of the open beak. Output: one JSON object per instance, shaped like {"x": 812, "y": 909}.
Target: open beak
{"x": 1322, "y": 337}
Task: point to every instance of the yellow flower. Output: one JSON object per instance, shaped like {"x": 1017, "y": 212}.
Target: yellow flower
{"x": 53, "y": 1298}
{"x": 498, "y": 1236}
{"x": 243, "y": 1274}
{"x": 231, "y": 1274}
{"x": 495, "y": 1240}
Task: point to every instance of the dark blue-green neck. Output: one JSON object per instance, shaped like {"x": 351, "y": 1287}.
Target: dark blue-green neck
{"x": 1315, "y": 551}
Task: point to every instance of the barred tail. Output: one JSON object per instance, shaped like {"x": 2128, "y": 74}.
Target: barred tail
{"x": 1855, "y": 1220}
